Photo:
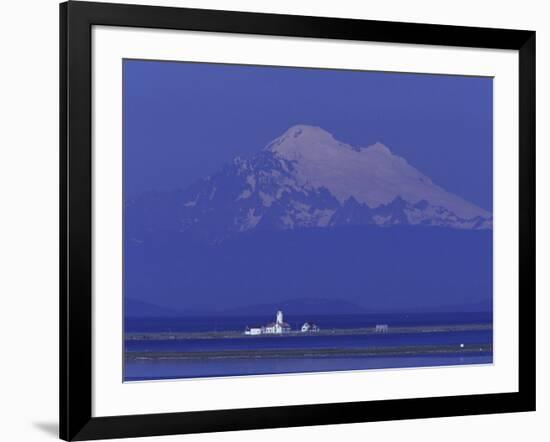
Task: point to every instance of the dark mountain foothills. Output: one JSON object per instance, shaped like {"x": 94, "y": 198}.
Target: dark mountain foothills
{"x": 398, "y": 269}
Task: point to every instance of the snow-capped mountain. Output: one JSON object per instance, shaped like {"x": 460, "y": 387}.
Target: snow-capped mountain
{"x": 307, "y": 178}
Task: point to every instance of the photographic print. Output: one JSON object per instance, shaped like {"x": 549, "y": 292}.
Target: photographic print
{"x": 296, "y": 220}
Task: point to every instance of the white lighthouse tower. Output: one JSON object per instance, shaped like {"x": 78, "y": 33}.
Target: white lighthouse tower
{"x": 279, "y": 322}
{"x": 277, "y": 327}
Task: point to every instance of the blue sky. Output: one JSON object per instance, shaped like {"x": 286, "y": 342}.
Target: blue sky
{"x": 183, "y": 120}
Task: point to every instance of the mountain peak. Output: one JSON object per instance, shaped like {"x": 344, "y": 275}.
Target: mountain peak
{"x": 380, "y": 148}
{"x": 372, "y": 175}
{"x": 307, "y": 178}
{"x": 301, "y": 130}
{"x": 298, "y": 138}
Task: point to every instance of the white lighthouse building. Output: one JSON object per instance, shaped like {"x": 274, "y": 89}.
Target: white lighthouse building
{"x": 279, "y": 326}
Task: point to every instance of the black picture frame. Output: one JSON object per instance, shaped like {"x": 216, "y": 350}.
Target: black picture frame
{"x": 76, "y": 21}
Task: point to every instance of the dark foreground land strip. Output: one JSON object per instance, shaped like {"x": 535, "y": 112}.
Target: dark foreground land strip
{"x": 418, "y": 350}
{"x": 322, "y": 332}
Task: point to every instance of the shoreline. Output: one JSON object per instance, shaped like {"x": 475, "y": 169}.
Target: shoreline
{"x": 232, "y": 334}
{"x": 417, "y": 350}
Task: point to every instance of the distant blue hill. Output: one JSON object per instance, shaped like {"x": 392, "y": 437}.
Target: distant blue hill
{"x": 300, "y": 307}
{"x": 303, "y": 306}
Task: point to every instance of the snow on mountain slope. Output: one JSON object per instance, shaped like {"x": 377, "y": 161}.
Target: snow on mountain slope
{"x": 371, "y": 175}
{"x": 306, "y": 178}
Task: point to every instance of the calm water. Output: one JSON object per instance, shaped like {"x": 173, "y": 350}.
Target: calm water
{"x": 163, "y": 369}
{"x": 189, "y": 368}
{"x": 293, "y": 342}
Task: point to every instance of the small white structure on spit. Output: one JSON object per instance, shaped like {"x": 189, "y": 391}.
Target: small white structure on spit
{"x": 381, "y": 328}
{"x": 278, "y": 327}
{"x": 253, "y": 330}
{"x": 310, "y": 327}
